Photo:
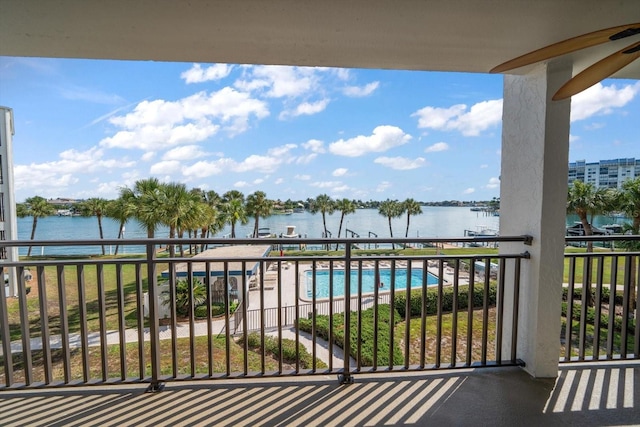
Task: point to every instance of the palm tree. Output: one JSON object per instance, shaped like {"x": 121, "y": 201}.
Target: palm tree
{"x": 37, "y": 207}
{"x": 147, "y": 203}
{"x": 583, "y": 201}
{"x": 234, "y": 210}
{"x": 178, "y": 210}
{"x": 390, "y": 209}
{"x": 121, "y": 211}
{"x": 411, "y": 207}
{"x": 258, "y": 206}
{"x": 629, "y": 203}
{"x": 346, "y": 207}
{"x": 325, "y": 205}
{"x": 95, "y": 206}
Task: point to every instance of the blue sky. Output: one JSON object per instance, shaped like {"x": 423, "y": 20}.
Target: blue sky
{"x": 86, "y": 128}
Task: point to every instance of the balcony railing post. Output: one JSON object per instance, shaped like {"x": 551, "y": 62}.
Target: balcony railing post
{"x": 346, "y": 378}
{"x": 154, "y": 324}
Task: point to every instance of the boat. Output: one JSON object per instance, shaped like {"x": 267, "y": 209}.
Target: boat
{"x": 264, "y": 232}
{"x": 291, "y": 232}
{"x": 613, "y": 228}
{"x": 481, "y": 231}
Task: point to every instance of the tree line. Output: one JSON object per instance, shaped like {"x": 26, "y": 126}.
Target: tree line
{"x": 199, "y": 213}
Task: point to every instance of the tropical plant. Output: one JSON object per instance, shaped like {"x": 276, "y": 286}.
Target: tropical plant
{"x": 325, "y": 205}
{"x": 234, "y": 210}
{"x": 146, "y": 203}
{"x": 95, "y": 206}
{"x": 36, "y": 207}
{"x": 629, "y": 203}
{"x": 346, "y": 207}
{"x": 258, "y": 206}
{"x": 411, "y": 207}
{"x": 121, "y": 211}
{"x": 390, "y": 209}
{"x": 183, "y": 296}
{"x": 584, "y": 200}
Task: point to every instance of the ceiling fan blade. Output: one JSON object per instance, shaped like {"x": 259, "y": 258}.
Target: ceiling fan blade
{"x": 570, "y": 45}
{"x": 598, "y": 71}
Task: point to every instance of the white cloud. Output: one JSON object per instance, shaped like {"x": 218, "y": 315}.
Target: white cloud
{"x": 148, "y": 156}
{"x": 78, "y": 93}
{"x": 314, "y": 145}
{"x": 277, "y": 81}
{"x": 258, "y": 181}
{"x": 400, "y": 163}
{"x": 185, "y": 152}
{"x": 469, "y": 190}
{"x": 306, "y": 159}
{"x": 573, "y": 138}
{"x": 326, "y": 184}
{"x": 156, "y": 124}
{"x": 480, "y": 117}
{"x": 196, "y": 74}
{"x": 167, "y": 166}
{"x": 306, "y": 108}
{"x": 361, "y": 91}
{"x": 484, "y": 166}
{"x": 383, "y": 186}
{"x": 382, "y": 139}
{"x": 57, "y": 175}
{"x": 278, "y": 181}
{"x": 241, "y": 184}
{"x": 494, "y": 182}
{"x": 340, "y": 172}
{"x": 601, "y": 100}
{"x": 303, "y": 177}
{"x": 438, "y": 146}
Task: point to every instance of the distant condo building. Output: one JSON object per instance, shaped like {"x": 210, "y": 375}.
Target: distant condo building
{"x": 605, "y": 173}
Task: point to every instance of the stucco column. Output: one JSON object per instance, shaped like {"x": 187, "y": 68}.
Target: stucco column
{"x": 533, "y": 193}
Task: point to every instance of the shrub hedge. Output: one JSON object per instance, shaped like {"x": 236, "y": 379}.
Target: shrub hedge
{"x": 604, "y": 317}
{"x": 367, "y": 334}
{"x": 447, "y": 299}
{"x": 288, "y": 350}
{"x": 577, "y": 294}
{"x": 217, "y": 308}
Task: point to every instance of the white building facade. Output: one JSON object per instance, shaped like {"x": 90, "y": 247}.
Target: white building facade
{"x": 604, "y": 173}
{"x": 8, "y": 221}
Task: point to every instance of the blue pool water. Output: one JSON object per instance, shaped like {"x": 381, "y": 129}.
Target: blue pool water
{"x": 368, "y": 281}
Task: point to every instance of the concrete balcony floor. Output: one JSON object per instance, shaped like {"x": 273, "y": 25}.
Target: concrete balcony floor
{"x": 584, "y": 394}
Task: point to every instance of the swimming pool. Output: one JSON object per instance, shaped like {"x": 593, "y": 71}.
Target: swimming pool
{"x": 368, "y": 281}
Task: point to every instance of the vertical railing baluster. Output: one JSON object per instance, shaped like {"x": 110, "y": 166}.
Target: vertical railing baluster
{"x": 173, "y": 309}
{"x": 598, "y": 308}
{"x": 500, "y": 308}
{"x": 227, "y": 332}
{"x": 314, "y": 284}
{"x": 612, "y": 306}
{"x": 297, "y": 316}
{"x": 279, "y": 318}
{"x": 423, "y": 312}
{"x": 569, "y": 318}
{"x": 245, "y": 319}
{"x": 82, "y": 309}
{"x": 439, "y": 312}
{"x": 347, "y": 313}
{"x": 209, "y": 302}
{"x": 636, "y": 347}
{"x": 122, "y": 331}
{"x": 392, "y": 320}
{"x": 64, "y": 321}
{"x": 586, "y": 298}
{"x": 102, "y": 317}
{"x": 360, "y": 308}
{"x": 6, "y": 332}
{"x": 454, "y": 312}
{"x": 407, "y": 316}
{"x": 516, "y": 302}
{"x": 191, "y": 280}
{"x": 154, "y": 325}
{"x": 331, "y": 314}
{"x": 625, "y": 305}
{"x": 376, "y": 294}
{"x": 471, "y": 299}
{"x": 140, "y": 322}
{"x": 44, "y": 325}
{"x": 485, "y": 314}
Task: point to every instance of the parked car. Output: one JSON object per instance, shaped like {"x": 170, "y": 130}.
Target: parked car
{"x": 578, "y": 230}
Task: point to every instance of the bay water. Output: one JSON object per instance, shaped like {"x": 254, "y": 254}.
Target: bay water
{"x": 433, "y": 222}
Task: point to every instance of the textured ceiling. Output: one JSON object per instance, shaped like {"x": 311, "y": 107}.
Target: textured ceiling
{"x": 448, "y": 35}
